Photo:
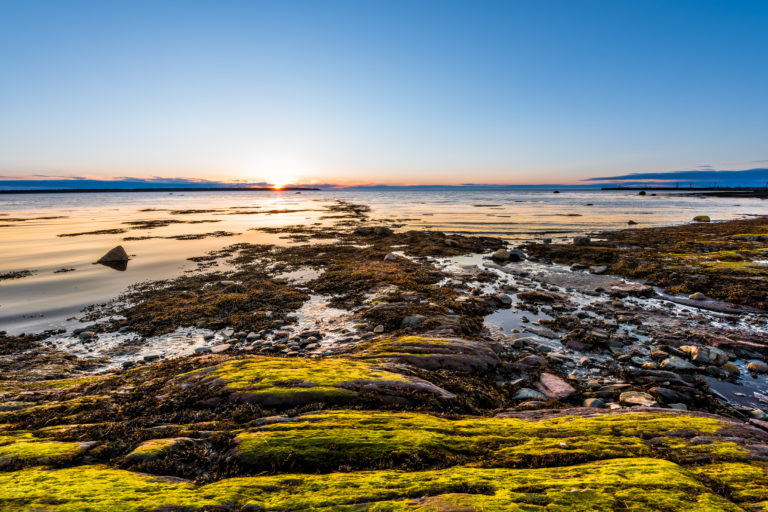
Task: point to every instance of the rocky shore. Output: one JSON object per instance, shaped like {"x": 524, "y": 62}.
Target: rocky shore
{"x": 371, "y": 368}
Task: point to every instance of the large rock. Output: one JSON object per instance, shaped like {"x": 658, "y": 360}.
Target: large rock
{"x": 708, "y": 355}
{"x": 757, "y": 367}
{"x": 677, "y": 363}
{"x": 114, "y": 255}
{"x": 554, "y": 387}
{"x": 637, "y": 398}
{"x": 115, "y": 258}
{"x": 432, "y": 353}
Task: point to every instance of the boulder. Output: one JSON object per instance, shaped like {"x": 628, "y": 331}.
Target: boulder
{"x": 757, "y": 367}
{"x": 677, "y": 363}
{"x": 701, "y": 218}
{"x": 637, "y": 398}
{"x": 554, "y": 387}
{"x": 697, "y": 296}
{"x": 500, "y": 255}
{"x": 114, "y": 255}
{"x": 708, "y": 355}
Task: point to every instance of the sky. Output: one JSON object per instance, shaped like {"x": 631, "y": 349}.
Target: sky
{"x": 381, "y": 92}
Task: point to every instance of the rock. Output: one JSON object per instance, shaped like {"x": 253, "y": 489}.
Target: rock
{"x": 450, "y": 243}
{"x": 413, "y": 321}
{"x": 500, "y": 255}
{"x": 505, "y": 299}
{"x": 151, "y": 357}
{"x": 679, "y": 407}
{"x": 598, "y": 269}
{"x": 677, "y": 363}
{"x": 757, "y": 367}
{"x": 217, "y": 349}
{"x": 554, "y": 387}
{"x": 701, "y": 218}
{"x": 203, "y": 350}
{"x": 637, "y": 398}
{"x": 391, "y": 257}
{"x": 731, "y": 369}
{"x": 114, "y": 255}
{"x": 641, "y": 193}
{"x": 631, "y": 222}
{"x": 378, "y": 329}
{"x": 697, "y": 296}
{"x": 595, "y": 403}
{"x": 532, "y": 361}
{"x": 669, "y": 395}
{"x": 86, "y": 336}
{"x": 758, "y": 414}
{"x": 529, "y": 394}
{"x": 708, "y": 355}
{"x": 382, "y": 231}
{"x": 581, "y": 240}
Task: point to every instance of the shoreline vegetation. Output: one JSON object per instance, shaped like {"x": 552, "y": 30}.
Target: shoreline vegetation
{"x": 605, "y": 391}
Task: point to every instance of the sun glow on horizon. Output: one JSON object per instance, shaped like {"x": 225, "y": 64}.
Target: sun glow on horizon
{"x": 278, "y": 171}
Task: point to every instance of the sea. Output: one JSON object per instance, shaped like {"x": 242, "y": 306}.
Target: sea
{"x": 42, "y": 236}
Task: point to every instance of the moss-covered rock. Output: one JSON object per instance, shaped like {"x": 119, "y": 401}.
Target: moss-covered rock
{"x": 362, "y": 439}
{"x": 287, "y": 382}
{"x": 631, "y": 484}
{"x": 432, "y": 353}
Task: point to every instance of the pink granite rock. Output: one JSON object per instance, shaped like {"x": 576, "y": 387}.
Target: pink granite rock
{"x": 554, "y": 387}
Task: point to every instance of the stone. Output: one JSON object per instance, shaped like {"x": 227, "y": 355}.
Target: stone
{"x": 500, "y": 255}
{"x": 151, "y": 357}
{"x": 697, "y": 296}
{"x": 581, "y": 240}
{"x": 114, "y": 255}
{"x": 677, "y": 363}
{"x": 757, "y": 367}
{"x": 701, "y": 218}
{"x": 631, "y": 222}
{"x": 378, "y": 329}
{"x": 731, "y": 369}
{"x": 391, "y": 257}
{"x": 554, "y": 387}
{"x": 382, "y": 231}
{"x": 505, "y": 299}
{"x": 679, "y": 407}
{"x": 217, "y": 349}
{"x": 594, "y": 403}
{"x": 203, "y": 350}
{"x": 413, "y": 321}
{"x": 598, "y": 269}
{"x": 529, "y": 394}
{"x": 86, "y": 336}
{"x": 708, "y": 355}
{"x": 637, "y": 398}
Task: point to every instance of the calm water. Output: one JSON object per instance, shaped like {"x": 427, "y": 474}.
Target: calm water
{"x": 44, "y": 299}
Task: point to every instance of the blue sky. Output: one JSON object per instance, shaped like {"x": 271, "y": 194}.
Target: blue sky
{"x": 398, "y": 92}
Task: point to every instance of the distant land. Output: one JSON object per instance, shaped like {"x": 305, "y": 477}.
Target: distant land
{"x": 691, "y": 179}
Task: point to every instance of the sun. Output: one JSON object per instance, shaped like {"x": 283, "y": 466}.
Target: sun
{"x": 279, "y": 171}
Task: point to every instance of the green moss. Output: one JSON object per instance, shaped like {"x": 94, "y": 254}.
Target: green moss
{"x": 24, "y": 445}
{"x": 317, "y": 378}
{"x": 744, "y": 482}
{"x": 628, "y": 484}
{"x": 332, "y": 439}
{"x": 153, "y": 448}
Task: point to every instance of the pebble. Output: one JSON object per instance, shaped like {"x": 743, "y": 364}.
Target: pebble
{"x": 529, "y": 394}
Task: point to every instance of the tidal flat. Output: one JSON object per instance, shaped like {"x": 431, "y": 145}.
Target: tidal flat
{"x": 357, "y": 362}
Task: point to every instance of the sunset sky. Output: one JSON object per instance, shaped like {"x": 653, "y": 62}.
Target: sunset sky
{"x": 397, "y": 92}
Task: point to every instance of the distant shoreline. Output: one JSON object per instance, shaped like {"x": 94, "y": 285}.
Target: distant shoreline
{"x": 158, "y": 189}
